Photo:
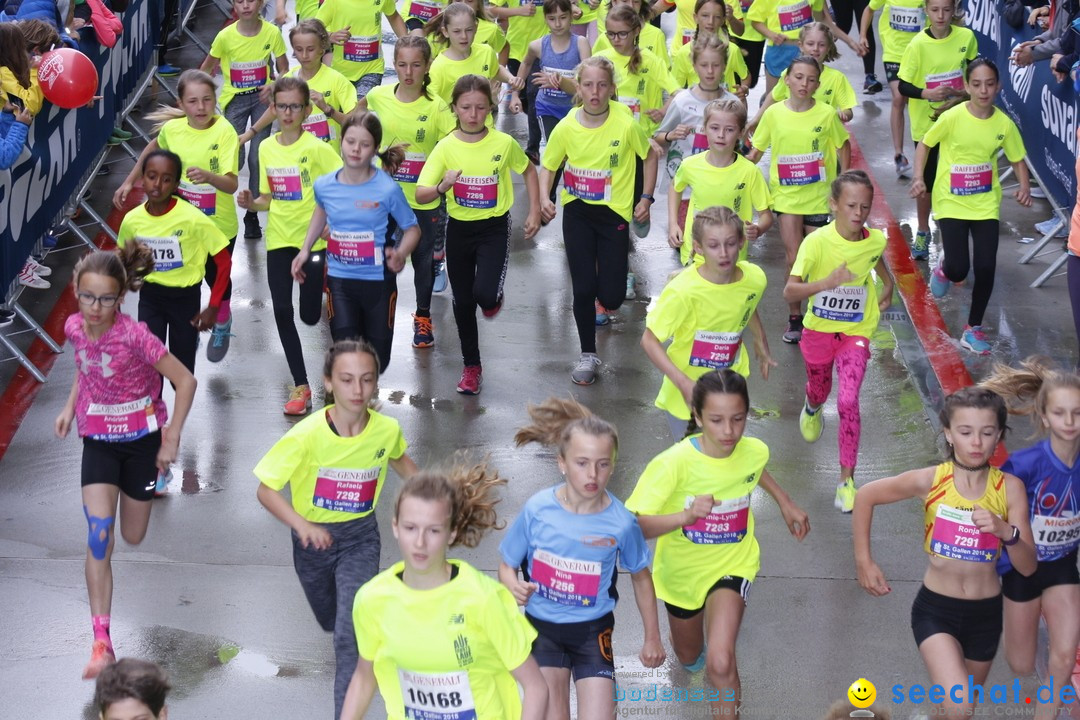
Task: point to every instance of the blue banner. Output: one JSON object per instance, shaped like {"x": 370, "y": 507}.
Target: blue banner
{"x": 63, "y": 144}
{"x": 1043, "y": 108}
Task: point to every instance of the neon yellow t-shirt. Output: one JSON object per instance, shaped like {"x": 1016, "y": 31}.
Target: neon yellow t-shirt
{"x": 332, "y": 479}
{"x": 651, "y": 39}
{"x": 246, "y": 62}
{"x": 929, "y": 63}
{"x": 448, "y": 649}
{"x": 600, "y": 163}
{"x": 644, "y": 90}
{"x": 362, "y": 52}
{"x": 739, "y": 10}
{"x": 214, "y": 150}
{"x": 445, "y": 71}
{"x": 835, "y": 89}
{"x": 900, "y": 21}
{"x": 182, "y": 239}
{"x": 852, "y": 308}
{"x": 691, "y": 559}
{"x": 338, "y": 93}
{"x": 682, "y": 66}
{"x": 685, "y": 24}
{"x": 803, "y": 158}
{"x": 705, "y": 323}
{"x": 785, "y": 17}
{"x": 487, "y": 33}
{"x": 485, "y": 188}
{"x": 739, "y": 186}
{"x": 286, "y": 173}
{"x": 521, "y": 29}
{"x": 966, "y": 186}
{"x": 418, "y": 125}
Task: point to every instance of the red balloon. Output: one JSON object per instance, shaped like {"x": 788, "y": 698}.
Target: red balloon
{"x": 68, "y": 78}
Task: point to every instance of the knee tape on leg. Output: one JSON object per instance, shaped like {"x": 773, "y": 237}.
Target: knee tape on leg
{"x": 97, "y": 538}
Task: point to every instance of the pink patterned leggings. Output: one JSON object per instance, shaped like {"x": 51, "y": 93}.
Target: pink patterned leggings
{"x": 850, "y": 354}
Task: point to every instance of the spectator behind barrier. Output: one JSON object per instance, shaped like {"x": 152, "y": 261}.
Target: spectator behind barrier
{"x": 38, "y": 37}
{"x": 1049, "y": 43}
{"x": 46, "y": 11}
{"x": 16, "y": 117}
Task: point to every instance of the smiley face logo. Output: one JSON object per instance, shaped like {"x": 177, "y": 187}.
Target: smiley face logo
{"x": 862, "y": 693}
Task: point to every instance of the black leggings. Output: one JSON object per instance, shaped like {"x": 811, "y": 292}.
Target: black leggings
{"x": 1073, "y": 269}
{"x": 528, "y": 100}
{"x": 211, "y": 272}
{"x": 754, "y": 50}
{"x": 279, "y": 278}
{"x": 477, "y": 254}
{"x": 168, "y": 312}
{"x": 432, "y": 224}
{"x": 549, "y": 122}
{"x": 957, "y": 260}
{"x": 844, "y": 11}
{"x": 597, "y": 243}
{"x": 364, "y": 309}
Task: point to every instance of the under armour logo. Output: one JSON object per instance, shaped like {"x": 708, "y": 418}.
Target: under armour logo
{"x": 106, "y": 358}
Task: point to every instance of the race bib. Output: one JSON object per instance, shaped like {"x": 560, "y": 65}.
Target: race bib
{"x": 121, "y": 423}
{"x": 566, "y": 581}
{"x": 245, "y": 75}
{"x": 1055, "y": 536}
{"x": 716, "y": 350}
{"x": 633, "y": 103}
{"x": 353, "y": 248}
{"x": 801, "y": 169}
{"x": 724, "y": 525}
{"x": 793, "y": 17}
{"x": 952, "y": 78}
{"x": 285, "y": 183}
{"x": 409, "y": 170}
{"x": 168, "y": 255}
{"x": 699, "y": 142}
{"x": 558, "y": 95}
{"x": 846, "y": 303}
{"x": 971, "y": 179}
{"x": 477, "y": 191}
{"x": 955, "y": 536}
{"x": 903, "y": 19}
{"x": 361, "y": 49}
{"x": 437, "y": 696}
{"x": 347, "y": 491}
{"x": 586, "y": 184}
{"x": 687, "y": 35}
{"x": 424, "y": 9}
{"x": 318, "y": 125}
{"x": 204, "y": 197}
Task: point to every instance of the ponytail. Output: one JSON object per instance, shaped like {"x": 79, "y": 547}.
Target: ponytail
{"x": 469, "y": 489}
{"x": 555, "y": 420}
{"x": 391, "y": 157}
{"x": 165, "y": 113}
{"x": 127, "y": 265}
{"x": 625, "y": 14}
{"x": 412, "y": 42}
{"x": 1025, "y": 389}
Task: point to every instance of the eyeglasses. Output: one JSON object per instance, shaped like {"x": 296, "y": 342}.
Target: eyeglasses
{"x": 617, "y": 34}
{"x": 290, "y": 107}
{"x": 87, "y": 299}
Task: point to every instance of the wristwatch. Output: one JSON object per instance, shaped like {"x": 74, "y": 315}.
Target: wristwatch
{"x": 647, "y": 196}
{"x": 1014, "y": 539}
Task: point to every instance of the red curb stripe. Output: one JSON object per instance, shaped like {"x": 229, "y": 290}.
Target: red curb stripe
{"x": 925, "y": 315}
{"x": 19, "y": 395}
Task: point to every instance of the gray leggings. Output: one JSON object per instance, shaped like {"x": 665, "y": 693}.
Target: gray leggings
{"x": 330, "y": 579}
{"x": 240, "y": 110}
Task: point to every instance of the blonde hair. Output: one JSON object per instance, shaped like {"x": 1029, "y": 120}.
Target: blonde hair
{"x": 165, "y": 113}
{"x": 600, "y": 63}
{"x": 312, "y": 26}
{"x": 469, "y": 490}
{"x": 830, "y": 42}
{"x": 127, "y": 265}
{"x": 1027, "y": 387}
{"x": 726, "y": 105}
{"x": 716, "y": 216}
{"x": 555, "y": 420}
{"x": 706, "y": 43}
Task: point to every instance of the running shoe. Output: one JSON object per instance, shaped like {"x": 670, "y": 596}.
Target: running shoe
{"x": 939, "y": 284}
{"x": 1053, "y": 227}
{"x": 121, "y": 133}
{"x": 974, "y": 339}
{"x": 423, "y": 331}
{"x": 161, "y": 487}
{"x": 31, "y": 280}
{"x": 603, "y": 317}
{"x": 49, "y": 241}
{"x": 584, "y": 373}
{"x": 811, "y": 424}
{"x": 492, "y": 312}
{"x": 472, "y": 379}
{"x": 641, "y": 229}
{"x": 219, "y": 341}
{"x": 167, "y": 70}
{"x": 101, "y": 656}
{"x": 871, "y": 85}
{"x": 903, "y": 167}
{"x": 793, "y": 334}
{"x": 37, "y": 268}
{"x": 1037, "y": 192}
{"x": 631, "y": 293}
{"x": 440, "y": 277}
{"x": 698, "y": 664}
{"x": 299, "y": 401}
{"x": 845, "y": 496}
{"x": 252, "y": 230}
{"x": 920, "y": 247}
{"x": 6, "y": 317}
